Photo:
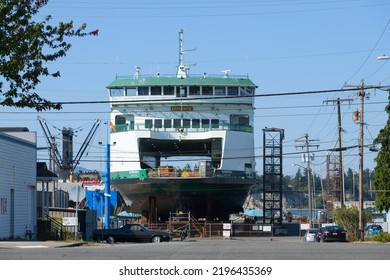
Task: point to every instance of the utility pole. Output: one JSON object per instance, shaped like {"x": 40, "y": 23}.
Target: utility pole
{"x": 361, "y": 143}
{"x": 107, "y": 190}
{"x": 340, "y": 129}
{"x": 362, "y": 95}
{"x": 307, "y": 145}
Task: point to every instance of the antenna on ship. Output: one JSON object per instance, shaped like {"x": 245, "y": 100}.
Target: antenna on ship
{"x": 137, "y": 73}
{"x": 182, "y": 71}
{"x": 226, "y": 73}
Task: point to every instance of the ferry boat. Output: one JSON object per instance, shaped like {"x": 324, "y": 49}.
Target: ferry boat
{"x": 162, "y": 124}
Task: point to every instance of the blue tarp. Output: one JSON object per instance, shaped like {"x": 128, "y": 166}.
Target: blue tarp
{"x": 253, "y": 212}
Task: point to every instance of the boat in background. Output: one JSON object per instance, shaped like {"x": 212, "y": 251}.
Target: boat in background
{"x": 160, "y": 125}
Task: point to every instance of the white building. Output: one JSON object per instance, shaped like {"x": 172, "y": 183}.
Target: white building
{"x": 18, "y": 180}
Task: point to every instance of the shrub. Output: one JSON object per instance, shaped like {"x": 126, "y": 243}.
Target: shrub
{"x": 349, "y": 219}
{"x": 381, "y": 237}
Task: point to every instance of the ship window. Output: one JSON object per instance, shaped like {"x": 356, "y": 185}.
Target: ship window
{"x": 220, "y": 90}
{"x": 169, "y": 90}
{"x": 186, "y": 123}
{"x": 155, "y": 90}
{"x": 167, "y": 123}
{"x": 176, "y": 123}
{"x": 241, "y": 120}
{"x": 158, "y": 123}
{"x": 214, "y": 123}
{"x": 205, "y": 123}
{"x": 207, "y": 90}
{"x": 232, "y": 90}
{"x": 195, "y": 123}
{"x": 131, "y": 91}
{"x": 244, "y": 120}
{"x": 119, "y": 119}
{"x": 194, "y": 90}
{"x": 181, "y": 91}
{"x": 143, "y": 90}
{"x": 116, "y": 92}
{"x": 247, "y": 91}
{"x": 148, "y": 123}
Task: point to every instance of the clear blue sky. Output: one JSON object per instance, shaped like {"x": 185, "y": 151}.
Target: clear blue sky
{"x": 284, "y": 46}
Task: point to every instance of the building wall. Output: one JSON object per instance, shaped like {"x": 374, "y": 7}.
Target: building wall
{"x": 17, "y": 185}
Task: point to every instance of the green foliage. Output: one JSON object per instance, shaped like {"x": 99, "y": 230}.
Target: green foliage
{"x": 381, "y": 178}
{"x": 71, "y": 236}
{"x": 349, "y": 219}
{"x": 25, "y": 47}
{"x": 187, "y": 168}
{"x": 381, "y": 237}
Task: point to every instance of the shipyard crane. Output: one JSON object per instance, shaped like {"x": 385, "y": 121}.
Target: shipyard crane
{"x": 55, "y": 154}
{"x": 67, "y": 163}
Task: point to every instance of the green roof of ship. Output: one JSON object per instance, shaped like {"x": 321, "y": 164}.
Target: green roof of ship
{"x": 242, "y": 81}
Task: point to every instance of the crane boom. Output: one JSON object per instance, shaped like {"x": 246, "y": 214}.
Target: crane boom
{"x": 67, "y": 168}
{"x": 48, "y": 135}
{"x": 86, "y": 143}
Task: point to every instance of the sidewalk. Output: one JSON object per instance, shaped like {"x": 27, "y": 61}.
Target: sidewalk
{"x": 39, "y": 244}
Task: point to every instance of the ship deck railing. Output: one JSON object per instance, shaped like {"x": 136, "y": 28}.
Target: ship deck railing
{"x": 170, "y": 172}
{"x": 173, "y": 172}
{"x": 158, "y": 173}
{"x": 142, "y": 127}
{"x": 205, "y": 76}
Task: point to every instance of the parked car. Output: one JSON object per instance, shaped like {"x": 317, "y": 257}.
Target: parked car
{"x": 332, "y": 233}
{"x": 131, "y": 233}
{"x": 374, "y": 229}
{"x": 310, "y": 235}
{"x": 319, "y": 233}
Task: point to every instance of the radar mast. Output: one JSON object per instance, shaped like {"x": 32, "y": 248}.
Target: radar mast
{"x": 183, "y": 70}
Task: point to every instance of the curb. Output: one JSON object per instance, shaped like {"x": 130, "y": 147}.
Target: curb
{"x": 78, "y": 244}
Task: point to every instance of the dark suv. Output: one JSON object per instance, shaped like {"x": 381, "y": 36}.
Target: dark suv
{"x": 331, "y": 233}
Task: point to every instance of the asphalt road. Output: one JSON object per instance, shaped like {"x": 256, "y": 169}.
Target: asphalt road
{"x": 277, "y": 248}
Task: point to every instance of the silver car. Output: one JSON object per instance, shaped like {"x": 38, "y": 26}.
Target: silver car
{"x": 310, "y": 235}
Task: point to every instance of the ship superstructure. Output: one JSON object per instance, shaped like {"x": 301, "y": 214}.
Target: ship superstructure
{"x": 162, "y": 124}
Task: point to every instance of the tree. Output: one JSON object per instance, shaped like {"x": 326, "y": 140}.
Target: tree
{"x": 349, "y": 219}
{"x": 349, "y": 183}
{"x": 381, "y": 178}
{"x": 25, "y": 47}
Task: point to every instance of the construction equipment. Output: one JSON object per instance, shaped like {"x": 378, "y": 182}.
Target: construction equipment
{"x": 66, "y": 163}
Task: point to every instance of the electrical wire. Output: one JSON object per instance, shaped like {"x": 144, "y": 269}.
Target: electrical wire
{"x": 369, "y": 55}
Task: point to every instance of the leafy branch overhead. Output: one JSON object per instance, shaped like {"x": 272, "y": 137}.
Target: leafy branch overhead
{"x": 26, "y": 46}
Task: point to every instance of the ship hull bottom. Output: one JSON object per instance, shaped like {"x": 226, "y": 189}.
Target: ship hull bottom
{"x": 208, "y": 198}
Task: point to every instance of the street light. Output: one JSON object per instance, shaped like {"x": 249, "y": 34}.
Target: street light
{"x": 310, "y": 219}
{"x": 383, "y": 57}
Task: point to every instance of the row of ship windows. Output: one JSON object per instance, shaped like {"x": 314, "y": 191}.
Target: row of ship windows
{"x": 239, "y": 120}
{"x": 182, "y": 123}
{"x": 183, "y": 91}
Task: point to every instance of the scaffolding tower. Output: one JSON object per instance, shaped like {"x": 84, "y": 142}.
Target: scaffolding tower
{"x": 333, "y": 191}
{"x": 272, "y": 175}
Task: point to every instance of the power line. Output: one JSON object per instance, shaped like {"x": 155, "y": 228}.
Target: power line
{"x": 372, "y": 50}
{"x": 214, "y": 97}
{"x": 223, "y": 10}
{"x": 221, "y": 109}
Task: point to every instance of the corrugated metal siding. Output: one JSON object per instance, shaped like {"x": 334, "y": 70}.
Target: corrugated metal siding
{"x": 18, "y": 172}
